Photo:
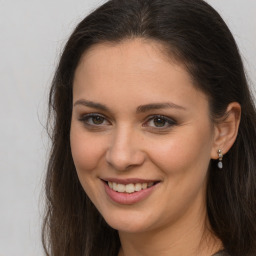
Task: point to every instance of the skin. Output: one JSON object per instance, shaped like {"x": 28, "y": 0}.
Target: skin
{"x": 126, "y": 143}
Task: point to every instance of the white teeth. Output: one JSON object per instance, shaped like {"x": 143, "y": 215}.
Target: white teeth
{"x": 138, "y": 187}
{"x": 110, "y": 184}
{"x": 144, "y": 185}
{"x": 114, "y": 186}
{"x": 120, "y": 188}
{"x": 129, "y": 188}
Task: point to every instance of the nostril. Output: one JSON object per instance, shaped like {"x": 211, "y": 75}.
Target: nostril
{"x": 123, "y": 155}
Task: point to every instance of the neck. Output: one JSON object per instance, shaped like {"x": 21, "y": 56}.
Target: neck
{"x": 187, "y": 238}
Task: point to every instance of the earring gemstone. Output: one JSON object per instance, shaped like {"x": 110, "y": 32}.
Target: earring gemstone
{"x": 220, "y": 165}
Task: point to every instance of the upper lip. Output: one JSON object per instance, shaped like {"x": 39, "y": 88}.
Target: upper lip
{"x": 129, "y": 180}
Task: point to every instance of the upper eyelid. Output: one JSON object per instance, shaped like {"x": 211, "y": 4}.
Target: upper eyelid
{"x": 83, "y": 116}
{"x": 161, "y": 116}
{"x": 92, "y": 114}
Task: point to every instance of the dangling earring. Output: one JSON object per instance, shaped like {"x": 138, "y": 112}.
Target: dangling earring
{"x": 220, "y": 164}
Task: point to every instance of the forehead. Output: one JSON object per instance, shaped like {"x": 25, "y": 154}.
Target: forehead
{"x": 135, "y": 69}
{"x": 129, "y": 56}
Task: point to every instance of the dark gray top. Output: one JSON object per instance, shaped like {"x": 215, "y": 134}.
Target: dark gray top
{"x": 221, "y": 253}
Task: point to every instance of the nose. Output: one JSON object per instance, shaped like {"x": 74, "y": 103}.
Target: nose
{"x": 125, "y": 150}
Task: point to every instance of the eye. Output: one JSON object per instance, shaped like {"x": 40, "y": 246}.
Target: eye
{"x": 94, "y": 120}
{"x": 160, "y": 122}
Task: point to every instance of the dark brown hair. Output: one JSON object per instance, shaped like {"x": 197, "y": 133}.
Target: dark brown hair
{"x": 194, "y": 34}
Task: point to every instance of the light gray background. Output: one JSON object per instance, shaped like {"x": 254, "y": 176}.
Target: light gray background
{"x": 32, "y": 34}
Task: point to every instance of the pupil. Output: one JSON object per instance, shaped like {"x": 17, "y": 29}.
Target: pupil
{"x": 97, "y": 120}
{"x": 159, "y": 122}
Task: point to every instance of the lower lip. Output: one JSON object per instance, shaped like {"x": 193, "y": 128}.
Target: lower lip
{"x": 128, "y": 198}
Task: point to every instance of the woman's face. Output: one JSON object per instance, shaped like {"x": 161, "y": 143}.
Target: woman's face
{"x": 141, "y": 136}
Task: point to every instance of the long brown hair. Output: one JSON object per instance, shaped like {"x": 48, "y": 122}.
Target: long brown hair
{"x": 194, "y": 34}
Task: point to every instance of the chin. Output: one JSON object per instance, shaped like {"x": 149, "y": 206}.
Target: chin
{"x": 130, "y": 222}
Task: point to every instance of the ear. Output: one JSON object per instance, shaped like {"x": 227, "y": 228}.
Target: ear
{"x": 226, "y": 129}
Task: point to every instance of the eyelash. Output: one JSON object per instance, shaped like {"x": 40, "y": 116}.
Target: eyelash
{"x": 87, "y": 120}
{"x": 169, "y": 122}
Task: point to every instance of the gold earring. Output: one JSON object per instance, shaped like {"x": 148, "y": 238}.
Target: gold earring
{"x": 220, "y": 164}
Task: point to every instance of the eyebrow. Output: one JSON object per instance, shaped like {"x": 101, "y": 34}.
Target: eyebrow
{"x": 155, "y": 106}
{"x": 91, "y": 104}
{"x": 140, "y": 109}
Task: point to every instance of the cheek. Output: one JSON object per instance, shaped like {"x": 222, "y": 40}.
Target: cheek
{"x": 86, "y": 150}
{"x": 183, "y": 160}
{"x": 183, "y": 151}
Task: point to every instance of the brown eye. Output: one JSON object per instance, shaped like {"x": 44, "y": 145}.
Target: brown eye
{"x": 94, "y": 120}
{"x": 97, "y": 120}
{"x": 159, "y": 122}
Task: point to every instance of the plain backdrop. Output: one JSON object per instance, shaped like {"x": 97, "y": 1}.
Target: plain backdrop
{"x": 32, "y": 35}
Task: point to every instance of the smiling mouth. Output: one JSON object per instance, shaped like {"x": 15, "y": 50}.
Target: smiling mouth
{"x": 129, "y": 188}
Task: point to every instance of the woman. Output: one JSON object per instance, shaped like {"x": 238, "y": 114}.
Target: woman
{"x": 153, "y": 136}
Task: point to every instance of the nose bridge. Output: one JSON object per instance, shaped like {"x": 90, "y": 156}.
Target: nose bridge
{"x": 124, "y": 150}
